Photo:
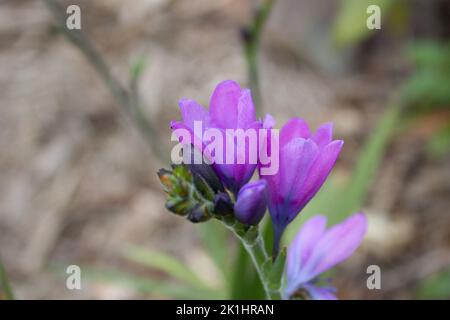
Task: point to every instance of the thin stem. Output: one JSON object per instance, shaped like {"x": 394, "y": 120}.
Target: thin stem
{"x": 251, "y": 36}
{"x": 255, "y": 247}
{"x": 124, "y": 96}
{"x": 258, "y": 256}
{"x": 4, "y": 283}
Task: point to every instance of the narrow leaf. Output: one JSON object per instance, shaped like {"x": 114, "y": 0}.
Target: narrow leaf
{"x": 165, "y": 263}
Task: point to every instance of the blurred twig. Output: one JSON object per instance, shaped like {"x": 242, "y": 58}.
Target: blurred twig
{"x": 251, "y": 36}
{"x": 123, "y": 95}
{"x": 4, "y": 283}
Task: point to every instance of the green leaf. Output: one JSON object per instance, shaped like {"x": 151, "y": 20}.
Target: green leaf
{"x": 165, "y": 263}
{"x": 274, "y": 270}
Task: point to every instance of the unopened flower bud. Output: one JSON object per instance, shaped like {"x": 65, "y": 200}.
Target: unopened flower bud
{"x": 177, "y": 205}
{"x": 199, "y": 214}
{"x": 251, "y": 202}
{"x": 205, "y": 171}
{"x": 164, "y": 176}
{"x": 223, "y": 204}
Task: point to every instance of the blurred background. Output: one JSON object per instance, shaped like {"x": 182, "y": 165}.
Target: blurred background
{"x": 81, "y": 142}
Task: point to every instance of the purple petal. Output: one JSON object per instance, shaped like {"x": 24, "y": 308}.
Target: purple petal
{"x": 191, "y": 111}
{"x": 277, "y": 184}
{"x": 319, "y": 293}
{"x": 246, "y": 111}
{"x": 225, "y": 173}
{"x": 336, "y": 245}
{"x": 296, "y": 159}
{"x": 323, "y": 134}
{"x": 268, "y": 122}
{"x": 192, "y": 140}
{"x": 274, "y": 197}
{"x": 318, "y": 172}
{"x": 224, "y": 104}
{"x": 176, "y": 125}
{"x": 294, "y": 128}
{"x": 238, "y": 174}
{"x": 243, "y": 172}
{"x": 265, "y": 144}
{"x": 302, "y": 246}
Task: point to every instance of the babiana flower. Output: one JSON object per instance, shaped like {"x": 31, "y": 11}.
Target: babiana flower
{"x": 316, "y": 250}
{"x": 292, "y": 164}
{"x": 305, "y": 160}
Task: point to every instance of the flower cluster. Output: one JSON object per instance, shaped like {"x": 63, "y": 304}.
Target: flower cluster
{"x": 224, "y": 190}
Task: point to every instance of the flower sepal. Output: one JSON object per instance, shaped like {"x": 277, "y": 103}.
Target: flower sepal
{"x": 273, "y": 269}
{"x": 187, "y": 195}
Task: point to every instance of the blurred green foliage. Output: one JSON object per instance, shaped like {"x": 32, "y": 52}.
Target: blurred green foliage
{"x": 350, "y": 25}
{"x": 428, "y": 87}
{"x": 155, "y": 286}
{"x": 435, "y": 287}
{"x": 165, "y": 263}
{"x": 168, "y": 277}
{"x": 217, "y": 242}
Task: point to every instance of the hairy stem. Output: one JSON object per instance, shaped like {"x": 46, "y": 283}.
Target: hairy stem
{"x": 255, "y": 247}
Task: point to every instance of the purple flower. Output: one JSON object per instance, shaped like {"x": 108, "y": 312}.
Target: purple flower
{"x": 251, "y": 202}
{"x": 305, "y": 160}
{"x": 315, "y": 250}
{"x": 230, "y": 108}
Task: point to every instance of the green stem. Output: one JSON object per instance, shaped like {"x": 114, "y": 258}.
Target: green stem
{"x": 251, "y": 39}
{"x": 255, "y": 247}
{"x": 4, "y": 283}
